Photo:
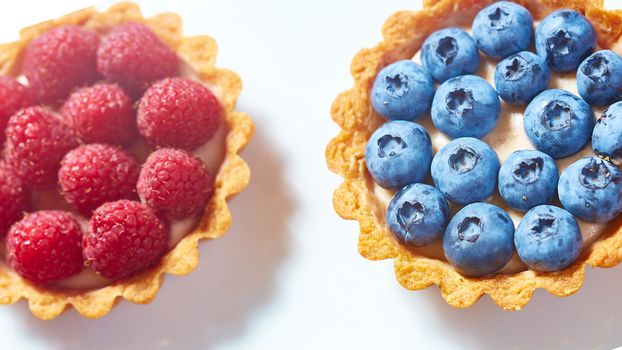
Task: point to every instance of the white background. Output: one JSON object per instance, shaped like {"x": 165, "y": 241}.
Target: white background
{"x": 288, "y": 275}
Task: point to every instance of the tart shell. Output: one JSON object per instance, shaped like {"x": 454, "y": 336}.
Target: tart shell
{"x": 403, "y": 34}
{"x": 199, "y": 52}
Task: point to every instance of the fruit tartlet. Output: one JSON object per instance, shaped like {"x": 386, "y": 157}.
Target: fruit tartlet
{"x": 120, "y": 150}
{"x": 481, "y": 144}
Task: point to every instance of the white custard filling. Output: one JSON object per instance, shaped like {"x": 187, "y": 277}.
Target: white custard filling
{"x": 508, "y": 136}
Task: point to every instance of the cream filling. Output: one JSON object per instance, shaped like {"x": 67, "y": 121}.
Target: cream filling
{"x": 212, "y": 153}
{"x": 507, "y": 137}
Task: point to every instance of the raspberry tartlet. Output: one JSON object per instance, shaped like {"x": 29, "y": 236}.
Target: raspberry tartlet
{"x": 480, "y": 147}
{"x": 121, "y": 150}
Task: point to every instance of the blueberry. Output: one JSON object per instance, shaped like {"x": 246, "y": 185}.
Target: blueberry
{"x": 528, "y": 179}
{"x": 402, "y": 90}
{"x": 564, "y": 38}
{"x": 398, "y": 154}
{"x": 479, "y": 239}
{"x": 418, "y": 214}
{"x": 465, "y": 170}
{"x": 599, "y": 77}
{"x": 591, "y": 189}
{"x": 607, "y": 135}
{"x": 558, "y": 123}
{"x": 520, "y": 77}
{"x": 448, "y": 53}
{"x": 548, "y": 238}
{"x": 502, "y": 29}
{"x": 465, "y": 106}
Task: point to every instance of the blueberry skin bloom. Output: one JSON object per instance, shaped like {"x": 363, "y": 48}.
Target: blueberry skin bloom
{"x": 448, "y": 53}
{"x": 418, "y": 214}
{"x": 465, "y": 106}
{"x": 607, "y": 135}
{"x": 599, "y": 77}
{"x": 591, "y": 189}
{"x": 548, "y": 238}
{"x": 522, "y": 76}
{"x": 558, "y": 123}
{"x": 564, "y": 38}
{"x": 502, "y": 29}
{"x": 465, "y": 170}
{"x": 402, "y": 91}
{"x": 398, "y": 154}
{"x": 528, "y": 179}
{"x": 479, "y": 239}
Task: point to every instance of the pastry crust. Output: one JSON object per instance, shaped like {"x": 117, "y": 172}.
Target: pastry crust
{"x": 199, "y": 52}
{"x": 403, "y": 35}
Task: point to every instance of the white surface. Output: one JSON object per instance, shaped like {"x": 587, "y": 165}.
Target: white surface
{"x": 288, "y": 276}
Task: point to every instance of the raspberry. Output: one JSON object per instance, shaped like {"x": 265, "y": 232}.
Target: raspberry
{"x": 174, "y": 183}
{"x": 133, "y": 56}
{"x": 94, "y": 174}
{"x": 124, "y": 238}
{"x": 45, "y": 246}
{"x": 12, "y": 199}
{"x": 178, "y": 113}
{"x": 13, "y": 97}
{"x": 59, "y": 60}
{"x": 36, "y": 142}
{"x": 101, "y": 113}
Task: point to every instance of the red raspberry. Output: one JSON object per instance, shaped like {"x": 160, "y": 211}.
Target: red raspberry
{"x": 174, "y": 183}
{"x": 36, "y": 142}
{"x": 60, "y": 60}
{"x": 94, "y": 174}
{"x": 45, "y": 246}
{"x": 133, "y": 56}
{"x": 124, "y": 238}
{"x": 12, "y": 199}
{"x": 101, "y": 113}
{"x": 179, "y": 113}
{"x": 13, "y": 97}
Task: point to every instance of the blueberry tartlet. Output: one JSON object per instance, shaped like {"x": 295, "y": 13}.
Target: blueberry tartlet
{"x": 481, "y": 144}
{"x": 120, "y": 150}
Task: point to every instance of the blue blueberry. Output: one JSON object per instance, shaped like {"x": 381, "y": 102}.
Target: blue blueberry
{"x": 599, "y": 77}
{"x": 528, "y": 179}
{"x": 564, "y": 38}
{"x": 522, "y": 76}
{"x": 402, "y": 91}
{"x": 448, "y": 53}
{"x": 465, "y": 106}
{"x": 607, "y": 135}
{"x": 502, "y": 29}
{"x": 558, "y": 123}
{"x": 591, "y": 189}
{"x": 418, "y": 214}
{"x": 398, "y": 154}
{"x": 479, "y": 239}
{"x": 548, "y": 238}
{"x": 465, "y": 170}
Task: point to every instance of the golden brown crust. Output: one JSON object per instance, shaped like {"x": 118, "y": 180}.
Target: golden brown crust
{"x": 403, "y": 34}
{"x": 233, "y": 176}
